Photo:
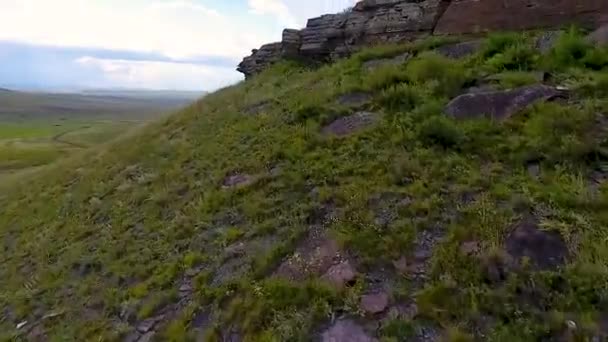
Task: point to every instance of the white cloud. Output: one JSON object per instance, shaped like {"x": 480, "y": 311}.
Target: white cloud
{"x": 276, "y": 8}
{"x": 158, "y": 75}
{"x": 175, "y": 28}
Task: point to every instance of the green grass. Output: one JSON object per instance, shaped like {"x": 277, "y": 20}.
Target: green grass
{"x": 122, "y": 227}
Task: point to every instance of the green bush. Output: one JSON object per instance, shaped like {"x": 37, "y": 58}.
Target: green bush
{"x": 573, "y": 50}
{"x": 445, "y": 76}
{"x": 520, "y": 56}
{"x": 384, "y": 76}
{"x": 440, "y": 130}
{"x": 515, "y": 79}
{"x": 400, "y": 98}
{"x": 499, "y": 42}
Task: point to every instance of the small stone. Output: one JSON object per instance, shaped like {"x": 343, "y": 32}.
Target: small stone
{"x": 470, "y": 248}
{"x": 571, "y": 325}
{"x": 340, "y": 275}
{"x": 146, "y": 325}
{"x": 21, "y": 325}
{"x": 185, "y": 288}
{"x": 374, "y": 303}
{"x": 401, "y": 265}
{"x": 147, "y": 337}
{"x": 346, "y": 331}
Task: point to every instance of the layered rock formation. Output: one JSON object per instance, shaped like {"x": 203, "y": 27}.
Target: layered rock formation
{"x": 377, "y": 21}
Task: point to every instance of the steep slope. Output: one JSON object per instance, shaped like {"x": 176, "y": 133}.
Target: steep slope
{"x": 337, "y": 204}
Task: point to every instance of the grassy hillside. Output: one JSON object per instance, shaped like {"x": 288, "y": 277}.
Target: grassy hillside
{"x": 253, "y": 215}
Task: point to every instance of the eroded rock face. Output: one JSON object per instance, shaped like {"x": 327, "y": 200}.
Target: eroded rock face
{"x": 472, "y": 16}
{"x": 600, "y": 36}
{"x": 460, "y": 50}
{"x": 378, "y": 21}
{"x": 499, "y": 105}
{"x": 346, "y": 331}
{"x": 544, "y": 249}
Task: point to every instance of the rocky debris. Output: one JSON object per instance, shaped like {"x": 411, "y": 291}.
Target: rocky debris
{"x": 385, "y": 207}
{"x": 470, "y": 248}
{"x": 599, "y": 37}
{"x": 424, "y": 245}
{"x": 237, "y": 180}
{"x": 257, "y": 108}
{"x": 355, "y": 100}
{"x": 350, "y": 124}
{"x": 545, "y": 42}
{"x": 346, "y": 331}
{"x": 230, "y": 270}
{"x": 370, "y": 22}
{"x": 340, "y": 275}
{"x": 313, "y": 257}
{"x": 460, "y": 50}
{"x": 473, "y": 16}
{"x": 374, "y": 303}
{"x": 544, "y": 249}
{"x": 376, "y": 63}
{"x": 499, "y": 105}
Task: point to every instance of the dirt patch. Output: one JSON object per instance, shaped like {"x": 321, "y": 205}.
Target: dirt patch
{"x": 346, "y": 331}
{"x": 544, "y": 249}
{"x": 350, "y": 124}
{"x": 314, "y": 256}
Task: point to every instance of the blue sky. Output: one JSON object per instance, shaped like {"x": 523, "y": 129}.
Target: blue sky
{"x": 154, "y": 44}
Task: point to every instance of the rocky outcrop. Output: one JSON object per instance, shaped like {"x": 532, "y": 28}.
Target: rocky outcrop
{"x": 371, "y": 22}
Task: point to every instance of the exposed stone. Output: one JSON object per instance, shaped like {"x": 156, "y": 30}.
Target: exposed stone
{"x": 401, "y": 265}
{"x": 473, "y": 16}
{"x": 313, "y": 257}
{"x": 376, "y": 63}
{"x": 374, "y": 303}
{"x": 371, "y": 22}
{"x": 545, "y": 42}
{"x": 146, "y": 325}
{"x": 350, "y": 124}
{"x": 147, "y": 337}
{"x": 340, "y": 275}
{"x": 355, "y": 100}
{"x": 236, "y": 180}
{"x": 544, "y": 249}
{"x": 599, "y": 37}
{"x": 499, "y": 105}
{"x": 470, "y": 248}
{"x": 346, "y": 331}
{"x": 460, "y": 50}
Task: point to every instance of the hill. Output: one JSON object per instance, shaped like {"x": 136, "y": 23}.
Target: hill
{"x": 410, "y": 192}
{"x": 93, "y": 104}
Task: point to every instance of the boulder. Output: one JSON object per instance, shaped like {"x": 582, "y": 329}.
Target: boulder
{"x": 544, "y": 249}
{"x": 473, "y": 16}
{"x": 346, "y": 331}
{"x": 460, "y": 50}
{"x": 499, "y": 105}
{"x": 374, "y": 303}
{"x": 350, "y": 124}
{"x": 340, "y": 275}
{"x": 599, "y": 37}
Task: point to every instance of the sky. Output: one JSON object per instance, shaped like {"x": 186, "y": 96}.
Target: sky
{"x": 140, "y": 44}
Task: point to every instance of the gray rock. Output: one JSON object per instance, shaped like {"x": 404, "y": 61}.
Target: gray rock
{"x": 346, "y": 331}
{"x": 374, "y": 303}
{"x": 460, "y": 50}
{"x": 499, "y": 105}
{"x": 599, "y": 37}
{"x": 147, "y": 337}
{"x": 350, "y": 124}
{"x": 544, "y": 249}
{"x": 340, "y": 275}
{"x": 376, "y": 63}
{"x": 355, "y": 100}
{"x": 146, "y": 325}
{"x": 236, "y": 180}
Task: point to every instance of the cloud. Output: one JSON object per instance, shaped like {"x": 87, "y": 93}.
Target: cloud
{"x": 276, "y": 8}
{"x": 158, "y": 75}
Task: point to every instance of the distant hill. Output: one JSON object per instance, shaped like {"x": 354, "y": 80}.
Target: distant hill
{"x": 5, "y": 90}
{"x": 98, "y": 104}
{"x": 136, "y": 93}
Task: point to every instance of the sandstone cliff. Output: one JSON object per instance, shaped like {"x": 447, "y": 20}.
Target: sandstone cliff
{"x": 378, "y": 21}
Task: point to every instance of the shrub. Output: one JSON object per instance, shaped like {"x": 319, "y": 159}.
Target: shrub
{"x": 515, "y": 79}
{"x": 381, "y": 51}
{"x": 519, "y": 56}
{"x": 440, "y": 130}
{"x": 559, "y": 133}
{"x": 384, "y": 76}
{"x": 445, "y": 76}
{"x": 399, "y": 98}
{"x": 499, "y": 43}
{"x": 573, "y": 50}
